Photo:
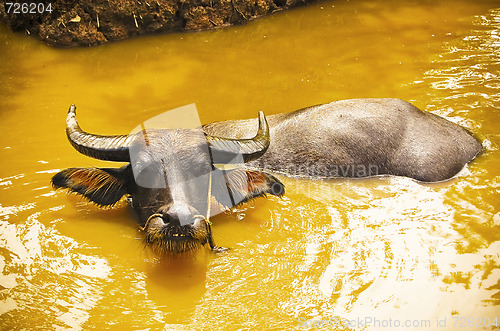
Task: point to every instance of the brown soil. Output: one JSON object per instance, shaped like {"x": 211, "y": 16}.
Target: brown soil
{"x": 94, "y": 22}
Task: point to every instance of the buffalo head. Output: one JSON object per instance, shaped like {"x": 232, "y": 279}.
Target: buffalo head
{"x": 175, "y": 179}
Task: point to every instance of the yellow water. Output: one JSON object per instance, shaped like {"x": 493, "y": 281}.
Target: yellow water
{"x": 344, "y": 249}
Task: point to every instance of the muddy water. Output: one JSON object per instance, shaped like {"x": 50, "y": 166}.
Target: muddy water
{"x": 381, "y": 249}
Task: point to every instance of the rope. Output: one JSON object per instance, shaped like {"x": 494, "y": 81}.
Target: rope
{"x": 149, "y": 219}
{"x": 210, "y": 239}
{"x": 207, "y": 219}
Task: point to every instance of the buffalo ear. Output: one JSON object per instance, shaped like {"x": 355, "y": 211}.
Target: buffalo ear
{"x": 105, "y": 187}
{"x": 244, "y": 185}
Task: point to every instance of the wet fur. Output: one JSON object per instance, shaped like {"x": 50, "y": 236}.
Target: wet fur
{"x": 162, "y": 241}
{"x": 390, "y": 135}
{"x": 243, "y": 184}
{"x": 104, "y": 187}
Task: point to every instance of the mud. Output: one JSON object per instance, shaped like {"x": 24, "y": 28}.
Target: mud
{"x": 90, "y": 23}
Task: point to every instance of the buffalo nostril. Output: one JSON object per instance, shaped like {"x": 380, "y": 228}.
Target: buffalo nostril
{"x": 155, "y": 223}
{"x": 178, "y": 215}
{"x": 170, "y": 218}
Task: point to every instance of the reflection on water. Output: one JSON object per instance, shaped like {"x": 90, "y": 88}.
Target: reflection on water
{"x": 340, "y": 250}
{"x": 39, "y": 265}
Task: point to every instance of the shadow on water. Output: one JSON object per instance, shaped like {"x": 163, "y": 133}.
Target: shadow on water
{"x": 182, "y": 277}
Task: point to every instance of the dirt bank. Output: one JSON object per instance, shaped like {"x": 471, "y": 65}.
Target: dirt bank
{"x": 94, "y": 22}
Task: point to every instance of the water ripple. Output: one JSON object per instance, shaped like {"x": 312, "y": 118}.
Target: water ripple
{"x": 469, "y": 66}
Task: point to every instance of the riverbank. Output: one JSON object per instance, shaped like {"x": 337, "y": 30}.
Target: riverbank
{"x": 89, "y": 23}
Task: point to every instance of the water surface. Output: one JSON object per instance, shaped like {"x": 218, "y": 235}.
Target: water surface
{"x": 384, "y": 248}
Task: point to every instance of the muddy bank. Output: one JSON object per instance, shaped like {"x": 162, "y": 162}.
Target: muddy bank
{"x": 65, "y": 23}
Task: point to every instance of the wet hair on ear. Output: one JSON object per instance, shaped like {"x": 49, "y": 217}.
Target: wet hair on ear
{"x": 244, "y": 185}
{"x": 104, "y": 187}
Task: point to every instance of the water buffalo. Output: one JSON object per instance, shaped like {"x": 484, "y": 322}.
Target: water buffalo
{"x": 350, "y": 138}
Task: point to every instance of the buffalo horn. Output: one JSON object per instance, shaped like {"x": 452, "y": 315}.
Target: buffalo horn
{"x": 226, "y": 150}
{"x": 108, "y": 148}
